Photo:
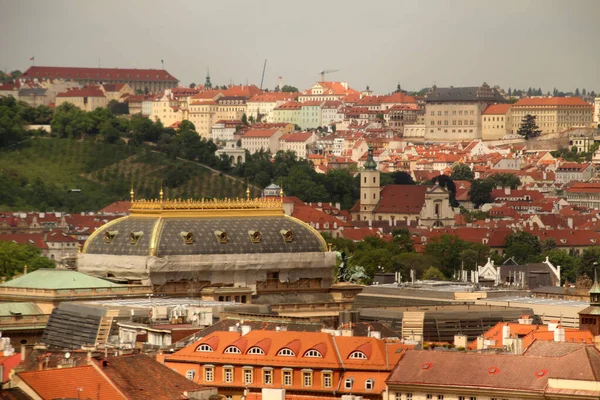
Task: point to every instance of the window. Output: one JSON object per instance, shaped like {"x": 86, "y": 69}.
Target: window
{"x": 209, "y": 373}
{"x": 190, "y": 374}
{"x": 398, "y": 396}
{"x": 247, "y": 375}
{"x": 440, "y": 397}
{"x": 408, "y": 396}
{"x": 313, "y": 353}
{"x": 429, "y": 396}
{"x": 256, "y": 350}
{"x": 348, "y": 383}
{"x": 228, "y": 374}
{"x": 369, "y": 384}
{"x": 286, "y": 352}
{"x": 268, "y": 377}
{"x": 205, "y": 348}
{"x": 358, "y": 355}
{"x": 327, "y": 381}
{"x": 307, "y": 378}
{"x": 287, "y": 378}
{"x": 232, "y": 350}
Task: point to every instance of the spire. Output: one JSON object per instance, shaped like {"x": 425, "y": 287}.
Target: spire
{"x": 132, "y": 194}
{"x": 370, "y": 164}
{"x": 207, "y": 83}
{"x": 161, "y": 193}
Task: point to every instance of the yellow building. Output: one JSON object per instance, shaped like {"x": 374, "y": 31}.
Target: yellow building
{"x": 261, "y": 106}
{"x": 289, "y": 113}
{"x": 87, "y": 99}
{"x": 496, "y": 122}
{"x": 116, "y": 91}
{"x": 324, "y": 91}
{"x": 553, "y": 114}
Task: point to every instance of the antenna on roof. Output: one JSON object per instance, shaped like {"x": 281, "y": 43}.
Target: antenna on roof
{"x": 263, "y": 74}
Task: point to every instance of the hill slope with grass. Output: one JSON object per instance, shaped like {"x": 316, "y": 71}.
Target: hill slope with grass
{"x": 45, "y": 174}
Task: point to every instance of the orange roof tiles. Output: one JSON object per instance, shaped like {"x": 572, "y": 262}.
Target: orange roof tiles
{"x": 497, "y": 109}
{"x": 105, "y": 74}
{"x": 260, "y": 133}
{"x": 76, "y": 382}
{"x": 88, "y": 91}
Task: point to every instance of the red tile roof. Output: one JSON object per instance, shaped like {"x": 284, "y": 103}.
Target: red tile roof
{"x": 271, "y": 97}
{"x": 407, "y": 199}
{"x": 88, "y": 91}
{"x": 497, "y": 109}
{"x": 297, "y": 137}
{"x": 100, "y": 74}
{"x": 290, "y": 105}
{"x": 76, "y": 382}
{"x": 260, "y": 133}
{"x": 552, "y": 101}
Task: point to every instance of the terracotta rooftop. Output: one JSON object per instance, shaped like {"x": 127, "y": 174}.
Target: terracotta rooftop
{"x": 497, "y": 109}
{"x": 75, "y": 73}
{"x": 552, "y": 101}
{"x": 260, "y": 133}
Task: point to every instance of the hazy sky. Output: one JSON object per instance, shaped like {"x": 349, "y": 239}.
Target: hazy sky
{"x": 511, "y": 43}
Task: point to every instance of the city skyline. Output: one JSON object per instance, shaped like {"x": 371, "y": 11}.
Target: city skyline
{"x": 397, "y": 42}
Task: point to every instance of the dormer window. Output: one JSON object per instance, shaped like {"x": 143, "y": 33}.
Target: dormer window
{"x": 255, "y": 236}
{"x": 369, "y": 384}
{"x": 358, "y": 355}
{"x": 288, "y": 235}
{"x": 286, "y": 352}
{"x": 188, "y": 237}
{"x": 313, "y": 353}
{"x": 232, "y": 350}
{"x": 134, "y": 237}
{"x": 256, "y": 350}
{"x": 348, "y": 383}
{"x": 205, "y": 348}
{"x": 109, "y": 236}
{"x": 222, "y": 237}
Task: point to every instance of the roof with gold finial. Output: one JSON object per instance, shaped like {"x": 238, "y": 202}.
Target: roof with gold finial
{"x": 370, "y": 164}
{"x": 166, "y": 227}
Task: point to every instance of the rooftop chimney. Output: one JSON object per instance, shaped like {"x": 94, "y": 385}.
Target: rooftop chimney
{"x": 505, "y": 333}
{"x": 559, "y": 334}
{"x": 245, "y": 329}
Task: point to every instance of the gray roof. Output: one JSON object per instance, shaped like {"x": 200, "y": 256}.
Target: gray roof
{"x": 33, "y": 92}
{"x": 170, "y": 241}
{"x": 72, "y": 325}
{"x": 459, "y": 94}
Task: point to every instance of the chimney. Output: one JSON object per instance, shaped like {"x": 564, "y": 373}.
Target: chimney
{"x": 559, "y": 334}
{"x": 23, "y": 352}
{"x": 460, "y": 341}
{"x": 552, "y": 325}
{"x": 525, "y": 320}
{"x": 375, "y": 334}
{"x": 480, "y": 342}
{"x": 570, "y": 222}
{"x": 25, "y": 270}
{"x": 505, "y": 333}
{"x": 245, "y": 329}
{"x": 507, "y": 190}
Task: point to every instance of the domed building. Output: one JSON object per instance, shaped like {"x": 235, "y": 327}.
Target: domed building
{"x": 178, "y": 245}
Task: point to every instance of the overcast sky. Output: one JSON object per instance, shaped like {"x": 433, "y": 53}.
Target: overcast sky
{"x": 511, "y": 43}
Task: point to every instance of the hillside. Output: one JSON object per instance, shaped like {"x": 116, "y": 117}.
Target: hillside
{"x": 40, "y": 174}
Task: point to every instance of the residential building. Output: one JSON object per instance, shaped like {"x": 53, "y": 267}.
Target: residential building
{"x": 300, "y": 362}
{"x": 496, "y": 122}
{"x": 261, "y": 106}
{"x": 596, "y": 110}
{"x": 224, "y": 130}
{"x": 323, "y": 91}
{"x": 87, "y": 99}
{"x": 298, "y": 142}
{"x": 236, "y": 154}
{"x": 256, "y": 140}
{"x": 572, "y": 171}
{"x": 288, "y": 112}
{"x": 36, "y": 97}
{"x": 149, "y": 80}
{"x": 553, "y": 114}
{"x": 583, "y": 194}
{"x": 454, "y": 113}
{"x": 329, "y": 110}
{"x": 398, "y": 116}
{"x": 582, "y": 139}
{"x": 10, "y": 89}
{"x": 544, "y": 371}
{"x": 310, "y": 115}
{"x": 117, "y": 91}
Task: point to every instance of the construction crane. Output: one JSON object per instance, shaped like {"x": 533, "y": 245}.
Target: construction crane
{"x": 263, "y": 75}
{"x": 327, "y": 71}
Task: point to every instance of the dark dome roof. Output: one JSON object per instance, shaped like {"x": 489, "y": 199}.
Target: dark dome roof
{"x": 166, "y": 236}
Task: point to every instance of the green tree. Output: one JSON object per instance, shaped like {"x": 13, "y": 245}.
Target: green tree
{"x": 504, "y": 180}
{"x": 71, "y": 122}
{"x": 523, "y": 247}
{"x": 462, "y": 172}
{"x": 289, "y": 89}
{"x": 481, "y": 192}
{"x": 109, "y": 133}
{"x": 118, "y": 108}
{"x": 528, "y": 128}
{"x": 244, "y": 119}
{"x": 14, "y": 257}
{"x": 379, "y": 116}
{"x": 570, "y": 266}
{"x": 402, "y": 178}
{"x": 446, "y": 250}
{"x": 433, "y": 273}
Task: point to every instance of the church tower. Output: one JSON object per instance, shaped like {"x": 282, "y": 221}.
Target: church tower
{"x": 207, "y": 83}
{"x": 369, "y": 188}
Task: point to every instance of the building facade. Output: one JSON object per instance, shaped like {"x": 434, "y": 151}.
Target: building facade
{"x": 496, "y": 122}
{"x": 150, "y": 80}
{"x": 256, "y": 140}
{"x": 553, "y": 114}
{"x": 87, "y": 99}
{"x": 453, "y": 114}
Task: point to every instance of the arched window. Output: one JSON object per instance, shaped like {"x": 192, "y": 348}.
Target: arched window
{"x": 348, "y": 383}
{"x": 190, "y": 374}
{"x": 313, "y": 353}
{"x": 232, "y": 350}
{"x": 358, "y": 355}
{"x": 369, "y": 384}
{"x": 286, "y": 352}
{"x": 205, "y": 348}
{"x": 256, "y": 350}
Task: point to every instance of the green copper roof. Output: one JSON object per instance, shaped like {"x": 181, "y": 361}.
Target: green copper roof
{"x": 8, "y": 309}
{"x": 370, "y": 164}
{"x": 57, "y": 279}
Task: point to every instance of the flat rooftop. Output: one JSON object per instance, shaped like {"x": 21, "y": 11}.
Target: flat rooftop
{"x": 538, "y": 301}
{"x": 150, "y": 302}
